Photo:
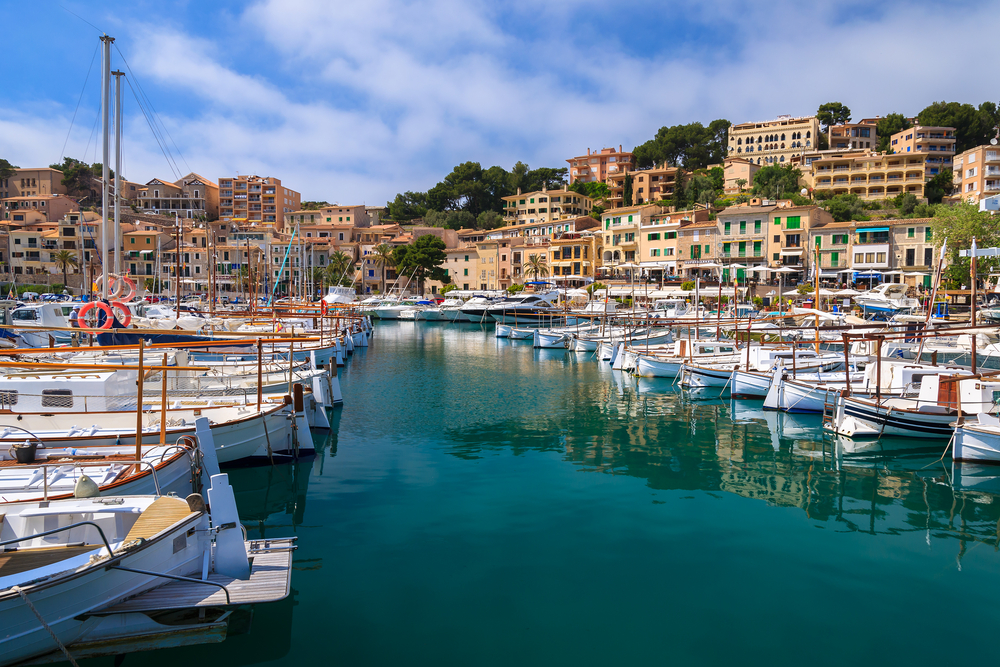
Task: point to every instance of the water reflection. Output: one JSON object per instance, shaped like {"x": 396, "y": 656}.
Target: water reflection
{"x": 682, "y": 440}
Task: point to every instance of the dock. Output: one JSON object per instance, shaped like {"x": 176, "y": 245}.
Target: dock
{"x": 270, "y": 581}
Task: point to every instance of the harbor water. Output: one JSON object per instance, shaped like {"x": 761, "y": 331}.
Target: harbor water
{"x": 480, "y": 502}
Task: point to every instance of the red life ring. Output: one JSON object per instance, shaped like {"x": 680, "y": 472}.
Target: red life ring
{"x": 323, "y": 308}
{"x": 122, "y": 312}
{"x": 130, "y": 284}
{"x": 87, "y": 307}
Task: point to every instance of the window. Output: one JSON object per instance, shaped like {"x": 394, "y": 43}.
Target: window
{"x": 654, "y": 252}
{"x": 466, "y": 272}
{"x": 653, "y": 237}
{"x": 743, "y": 226}
{"x": 132, "y": 240}
{"x": 756, "y": 226}
{"x": 819, "y": 241}
{"x": 910, "y": 256}
{"x": 928, "y": 234}
{"x": 57, "y": 398}
{"x": 859, "y": 258}
{"x": 793, "y": 222}
{"x": 726, "y": 228}
{"x": 708, "y": 250}
{"x": 756, "y": 249}
{"x": 910, "y": 232}
{"x": 928, "y": 256}
{"x": 880, "y": 257}
{"x": 777, "y": 221}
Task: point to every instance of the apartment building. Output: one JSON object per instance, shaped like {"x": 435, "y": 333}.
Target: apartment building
{"x": 774, "y": 141}
{"x": 494, "y": 262}
{"x": 544, "y": 206}
{"x": 867, "y": 174}
{"x": 854, "y": 136}
{"x": 788, "y": 233}
{"x": 831, "y": 243}
{"x": 36, "y": 208}
{"x": 32, "y": 183}
{"x": 257, "y": 199}
{"x": 936, "y": 145}
{"x": 977, "y": 173}
{"x": 598, "y": 166}
{"x": 698, "y": 250}
{"x": 356, "y": 215}
{"x": 461, "y": 264}
{"x": 901, "y": 250}
{"x": 913, "y": 248}
{"x": 739, "y": 173}
{"x": 576, "y": 255}
{"x": 192, "y": 197}
{"x": 621, "y": 227}
{"x": 658, "y": 253}
{"x": 648, "y": 185}
{"x": 743, "y": 232}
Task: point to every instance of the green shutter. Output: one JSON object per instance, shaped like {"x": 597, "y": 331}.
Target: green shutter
{"x": 743, "y": 226}
{"x": 777, "y": 221}
{"x": 819, "y": 241}
{"x": 756, "y": 248}
{"x": 707, "y": 250}
{"x": 725, "y": 249}
{"x": 928, "y": 233}
{"x": 630, "y": 218}
{"x": 793, "y": 222}
{"x": 756, "y": 226}
{"x": 834, "y": 258}
{"x": 727, "y": 225}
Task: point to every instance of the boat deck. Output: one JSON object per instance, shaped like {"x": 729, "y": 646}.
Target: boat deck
{"x": 270, "y": 581}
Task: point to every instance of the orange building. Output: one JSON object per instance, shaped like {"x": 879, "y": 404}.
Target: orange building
{"x": 598, "y": 166}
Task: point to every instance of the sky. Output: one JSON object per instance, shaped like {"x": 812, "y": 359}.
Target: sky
{"x": 354, "y": 102}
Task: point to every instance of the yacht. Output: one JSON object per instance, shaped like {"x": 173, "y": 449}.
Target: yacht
{"x": 887, "y": 299}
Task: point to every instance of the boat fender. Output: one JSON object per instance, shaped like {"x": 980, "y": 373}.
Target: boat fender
{"x": 86, "y": 488}
{"x": 196, "y": 503}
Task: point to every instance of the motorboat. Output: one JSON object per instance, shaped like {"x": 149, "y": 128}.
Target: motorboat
{"x": 887, "y": 299}
{"x": 49, "y": 318}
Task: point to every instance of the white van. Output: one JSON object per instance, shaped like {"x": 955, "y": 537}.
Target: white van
{"x": 30, "y": 296}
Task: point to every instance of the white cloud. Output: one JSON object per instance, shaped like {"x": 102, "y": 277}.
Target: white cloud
{"x": 400, "y": 91}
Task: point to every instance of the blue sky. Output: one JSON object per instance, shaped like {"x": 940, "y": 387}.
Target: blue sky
{"x": 353, "y": 102}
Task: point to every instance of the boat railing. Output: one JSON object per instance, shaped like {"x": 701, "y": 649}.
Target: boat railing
{"x": 91, "y": 464}
{"x": 60, "y": 529}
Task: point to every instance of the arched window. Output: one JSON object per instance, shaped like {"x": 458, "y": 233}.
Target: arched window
{"x": 739, "y": 150}
{"x": 782, "y": 158}
{"x": 782, "y": 145}
{"x": 739, "y": 142}
{"x": 758, "y": 160}
{"x": 760, "y": 139}
{"x": 808, "y": 143}
{"x": 782, "y": 136}
{"x": 808, "y": 134}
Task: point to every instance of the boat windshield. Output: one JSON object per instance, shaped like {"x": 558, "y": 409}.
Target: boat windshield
{"x": 29, "y": 314}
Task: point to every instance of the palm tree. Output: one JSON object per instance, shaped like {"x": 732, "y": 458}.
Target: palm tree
{"x": 336, "y": 270}
{"x": 382, "y": 254}
{"x": 65, "y": 258}
{"x": 535, "y": 266}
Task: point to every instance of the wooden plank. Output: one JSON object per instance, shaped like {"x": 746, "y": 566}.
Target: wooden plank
{"x": 270, "y": 581}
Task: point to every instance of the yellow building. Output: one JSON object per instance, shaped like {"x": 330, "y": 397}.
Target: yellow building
{"x": 867, "y": 174}
{"x": 648, "y": 185}
{"x": 977, "y": 173}
{"x": 576, "y": 254}
{"x": 544, "y": 206}
{"x": 774, "y": 141}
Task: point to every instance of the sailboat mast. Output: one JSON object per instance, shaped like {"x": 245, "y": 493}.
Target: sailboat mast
{"x": 106, "y": 42}
{"x": 118, "y": 168}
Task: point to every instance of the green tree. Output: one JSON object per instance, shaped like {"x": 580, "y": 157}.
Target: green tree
{"x": 313, "y": 205}
{"x": 776, "y": 180}
{"x": 692, "y": 146}
{"x": 940, "y": 186}
{"x": 460, "y": 220}
{"x": 407, "y": 206}
{"x": 627, "y": 190}
{"x": 80, "y": 179}
{"x": 6, "y": 169}
{"x": 448, "y": 288}
{"x": 741, "y": 183}
{"x": 338, "y": 270}
{"x": 536, "y": 267}
{"x": 832, "y": 113}
{"x": 596, "y": 190}
{"x": 973, "y": 127}
{"x": 888, "y": 126}
{"x": 422, "y": 259}
{"x": 65, "y": 258}
{"x": 845, "y": 207}
{"x": 906, "y": 202}
{"x": 489, "y": 220}
{"x": 959, "y": 224}
{"x": 382, "y": 255}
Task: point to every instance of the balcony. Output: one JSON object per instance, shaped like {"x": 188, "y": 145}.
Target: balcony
{"x": 992, "y": 171}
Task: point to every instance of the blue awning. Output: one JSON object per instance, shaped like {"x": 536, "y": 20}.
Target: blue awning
{"x": 872, "y": 229}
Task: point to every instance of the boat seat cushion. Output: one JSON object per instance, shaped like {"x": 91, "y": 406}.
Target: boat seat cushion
{"x": 162, "y": 514}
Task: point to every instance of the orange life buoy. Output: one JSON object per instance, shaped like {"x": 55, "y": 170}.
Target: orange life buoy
{"x": 323, "y": 308}
{"x": 87, "y": 307}
{"x": 122, "y": 312}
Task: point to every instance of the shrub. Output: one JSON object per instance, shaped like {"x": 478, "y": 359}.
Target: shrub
{"x": 687, "y": 285}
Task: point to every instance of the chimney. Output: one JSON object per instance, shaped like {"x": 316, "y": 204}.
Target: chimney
{"x": 619, "y": 148}
{"x": 519, "y": 191}
{"x": 588, "y": 151}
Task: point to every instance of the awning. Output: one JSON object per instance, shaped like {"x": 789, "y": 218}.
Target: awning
{"x": 872, "y": 229}
{"x": 829, "y": 274}
{"x": 146, "y": 252}
{"x": 795, "y": 251}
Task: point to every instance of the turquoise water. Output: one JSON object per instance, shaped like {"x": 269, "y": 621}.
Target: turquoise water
{"x": 484, "y": 503}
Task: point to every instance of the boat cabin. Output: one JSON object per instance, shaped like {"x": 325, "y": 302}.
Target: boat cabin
{"x": 944, "y": 392}
{"x": 108, "y": 391}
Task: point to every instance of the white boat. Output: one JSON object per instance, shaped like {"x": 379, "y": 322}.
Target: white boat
{"x": 445, "y": 312}
{"x": 65, "y": 560}
{"x": 978, "y": 440}
{"x": 53, "y": 315}
{"x": 545, "y": 339}
{"x": 886, "y": 299}
{"x": 503, "y": 330}
{"x": 669, "y": 365}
